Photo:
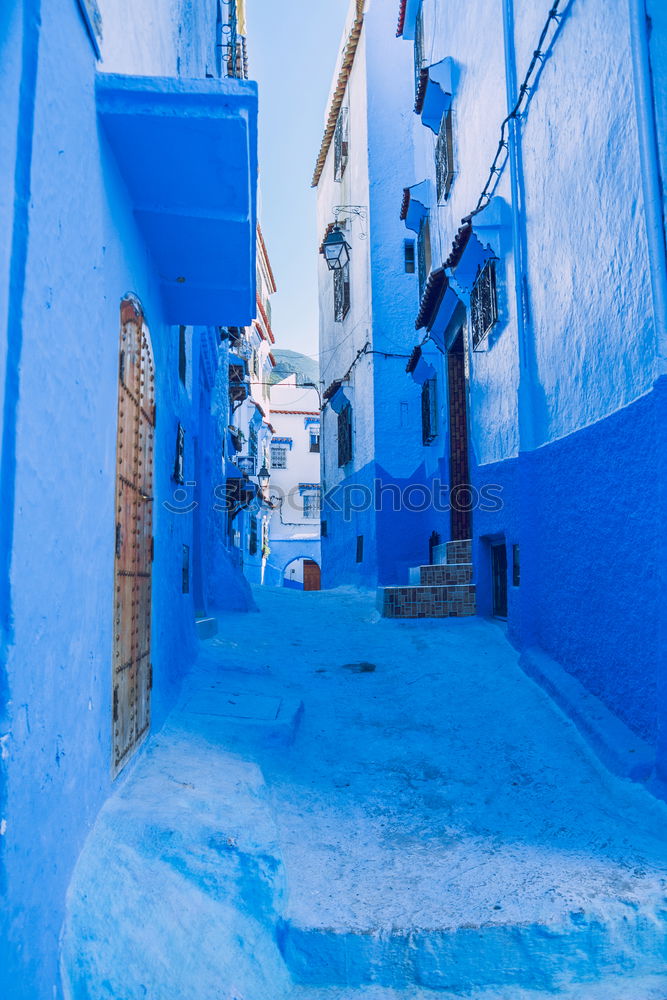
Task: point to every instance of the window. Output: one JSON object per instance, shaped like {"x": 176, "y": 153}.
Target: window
{"x": 423, "y": 254}
{"x": 341, "y": 280}
{"x": 179, "y": 460}
{"x": 483, "y": 304}
{"x": 311, "y": 505}
{"x": 324, "y": 529}
{"x": 419, "y": 46}
{"x": 252, "y": 537}
{"x": 345, "y": 435}
{"x": 429, "y": 411}
{"x": 409, "y": 256}
{"x": 341, "y": 141}
{"x": 315, "y": 439}
{"x": 185, "y": 570}
{"x": 182, "y": 355}
{"x": 360, "y": 548}
{"x": 516, "y": 566}
{"x": 278, "y": 456}
{"x": 444, "y": 157}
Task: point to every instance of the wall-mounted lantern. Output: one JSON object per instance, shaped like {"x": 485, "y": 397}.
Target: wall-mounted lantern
{"x": 336, "y": 249}
{"x": 263, "y": 477}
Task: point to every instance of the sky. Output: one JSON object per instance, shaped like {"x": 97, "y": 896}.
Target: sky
{"x": 292, "y": 50}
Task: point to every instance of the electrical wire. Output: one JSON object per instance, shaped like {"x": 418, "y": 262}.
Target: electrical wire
{"x": 525, "y": 91}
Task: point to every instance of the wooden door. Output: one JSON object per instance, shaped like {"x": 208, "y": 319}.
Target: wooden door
{"x": 311, "y": 575}
{"x": 132, "y": 671}
{"x": 459, "y": 476}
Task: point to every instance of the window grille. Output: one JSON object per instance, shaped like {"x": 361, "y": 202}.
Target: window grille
{"x": 360, "y": 548}
{"x": 409, "y": 256}
{"x": 345, "y": 435}
{"x": 252, "y": 537}
{"x": 341, "y": 144}
{"x": 484, "y": 304}
{"x": 419, "y": 46}
{"x": 252, "y": 440}
{"x": 278, "y": 457}
{"x": 231, "y": 51}
{"x": 315, "y": 440}
{"x": 423, "y": 254}
{"x": 341, "y": 280}
{"x": 311, "y": 505}
{"x": 444, "y": 157}
{"x": 179, "y": 461}
{"x": 429, "y": 411}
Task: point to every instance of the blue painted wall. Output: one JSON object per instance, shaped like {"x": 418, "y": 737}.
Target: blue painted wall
{"x": 69, "y": 252}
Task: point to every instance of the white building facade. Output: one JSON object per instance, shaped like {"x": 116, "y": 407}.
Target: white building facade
{"x": 294, "y": 534}
{"x": 250, "y": 431}
{"x": 372, "y": 448}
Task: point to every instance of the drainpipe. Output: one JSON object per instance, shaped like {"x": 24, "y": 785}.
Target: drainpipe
{"x": 526, "y": 436}
{"x": 650, "y": 173}
{"x": 525, "y": 630}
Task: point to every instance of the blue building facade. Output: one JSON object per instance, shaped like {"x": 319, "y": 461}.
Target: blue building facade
{"x": 493, "y": 372}
{"x": 124, "y": 264}
{"x": 543, "y": 293}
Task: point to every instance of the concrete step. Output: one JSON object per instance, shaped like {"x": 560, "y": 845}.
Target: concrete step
{"x": 244, "y": 712}
{"x": 511, "y": 961}
{"x": 440, "y": 575}
{"x": 610, "y": 988}
{"x": 427, "y": 602}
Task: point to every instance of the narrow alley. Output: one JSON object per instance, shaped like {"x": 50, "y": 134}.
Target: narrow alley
{"x": 333, "y": 465}
{"x": 346, "y": 806}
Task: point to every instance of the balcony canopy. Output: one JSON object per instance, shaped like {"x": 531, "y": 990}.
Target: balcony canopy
{"x": 434, "y": 97}
{"x": 407, "y": 18}
{"x": 187, "y": 151}
{"x": 415, "y": 205}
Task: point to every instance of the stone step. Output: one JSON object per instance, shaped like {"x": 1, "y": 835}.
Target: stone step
{"x": 511, "y": 961}
{"x": 459, "y": 551}
{"x": 441, "y": 575}
{"x": 206, "y": 627}
{"x": 427, "y": 602}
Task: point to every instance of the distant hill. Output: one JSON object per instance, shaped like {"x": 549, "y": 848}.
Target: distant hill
{"x": 293, "y": 363}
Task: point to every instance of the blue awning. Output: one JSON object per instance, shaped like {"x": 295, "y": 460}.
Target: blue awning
{"x": 231, "y": 471}
{"x": 187, "y": 151}
{"x": 471, "y": 261}
{"x": 410, "y": 19}
{"x": 339, "y": 399}
{"x": 443, "y": 316}
{"x": 283, "y": 440}
{"x": 434, "y": 97}
{"x": 420, "y": 365}
{"x": 416, "y": 202}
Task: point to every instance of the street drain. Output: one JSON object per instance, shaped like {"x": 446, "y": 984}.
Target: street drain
{"x": 363, "y": 667}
